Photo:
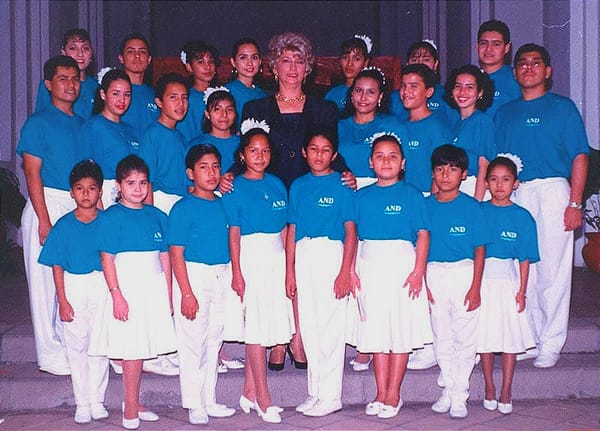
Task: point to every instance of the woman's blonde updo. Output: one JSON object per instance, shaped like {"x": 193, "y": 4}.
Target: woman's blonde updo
{"x": 295, "y": 42}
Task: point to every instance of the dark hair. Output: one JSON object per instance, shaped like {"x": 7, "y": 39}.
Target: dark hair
{"x": 130, "y": 164}
{"x": 86, "y": 169}
{"x": 327, "y": 132}
{"x": 497, "y": 26}
{"x": 427, "y": 46}
{"x": 110, "y": 77}
{"x": 195, "y": 49}
{"x": 243, "y": 41}
{"x": 394, "y": 140}
{"x": 423, "y": 71}
{"x": 543, "y": 52}
{"x": 239, "y": 167}
{"x": 51, "y": 66}
{"x": 352, "y": 44}
{"x": 166, "y": 79}
{"x": 212, "y": 101}
{"x": 449, "y": 154}
{"x": 198, "y": 151}
{"x": 133, "y": 36}
{"x": 502, "y": 161}
{"x": 483, "y": 81}
{"x": 379, "y": 77}
{"x": 77, "y": 34}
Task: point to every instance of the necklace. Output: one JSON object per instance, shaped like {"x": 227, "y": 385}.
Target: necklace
{"x": 281, "y": 98}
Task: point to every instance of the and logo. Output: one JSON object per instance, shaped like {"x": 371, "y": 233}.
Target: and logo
{"x": 325, "y": 202}
{"x": 457, "y": 230}
{"x": 158, "y": 237}
{"x": 278, "y": 205}
{"x": 134, "y": 144}
{"x": 413, "y": 145}
{"x": 533, "y": 121}
{"x": 507, "y": 235}
{"x": 392, "y": 209}
{"x": 434, "y": 105}
{"x": 496, "y": 93}
{"x": 151, "y": 106}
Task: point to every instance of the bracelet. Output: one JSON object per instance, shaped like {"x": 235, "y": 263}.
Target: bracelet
{"x": 112, "y": 289}
{"x": 576, "y": 205}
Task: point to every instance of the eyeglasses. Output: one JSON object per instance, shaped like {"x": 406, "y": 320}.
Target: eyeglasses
{"x": 534, "y": 64}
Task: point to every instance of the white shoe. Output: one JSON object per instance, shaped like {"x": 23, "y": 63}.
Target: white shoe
{"x": 442, "y": 405}
{"x": 422, "y": 359}
{"x": 63, "y": 370}
{"x": 146, "y": 415}
{"x": 490, "y": 405}
{"x": 117, "y": 368}
{"x": 529, "y": 354}
{"x": 546, "y": 360}
{"x": 323, "y": 408}
{"x": 270, "y": 415}
{"x": 373, "y": 408}
{"x": 130, "y": 424}
{"x": 246, "y": 405}
{"x": 388, "y": 412}
{"x": 233, "y": 364}
{"x": 222, "y": 368}
{"x": 197, "y": 417}
{"x": 161, "y": 366}
{"x": 82, "y": 415}
{"x": 459, "y": 410}
{"x": 98, "y": 411}
{"x": 505, "y": 408}
{"x": 217, "y": 410}
{"x": 307, "y": 404}
{"x": 173, "y": 358}
{"x": 360, "y": 366}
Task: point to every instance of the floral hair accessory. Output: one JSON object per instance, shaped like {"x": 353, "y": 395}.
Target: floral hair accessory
{"x": 251, "y": 123}
{"x": 378, "y": 135}
{"x": 515, "y": 159}
{"x": 367, "y": 40}
{"x": 183, "y": 57}
{"x": 211, "y": 90}
{"x": 431, "y": 42}
{"x": 378, "y": 70}
{"x": 103, "y": 72}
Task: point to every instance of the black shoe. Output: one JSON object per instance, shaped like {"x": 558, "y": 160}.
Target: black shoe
{"x": 299, "y": 365}
{"x": 276, "y": 366}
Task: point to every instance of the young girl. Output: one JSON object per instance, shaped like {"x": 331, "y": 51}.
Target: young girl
{"x": 470, "y": 91}
{"x": 105, "y": 137}
{"x": 246, "y": 63}
{"x": 320, "y": 247}
{"x": 503, "y": 325}
{"x": 354, "y": 57}
{"x": 394, "y": 243}
{"x": 201, "y": 61}
{"x": 136, "y": 324}
{"x": 76, "y": 43}
{"x": 257, "y": 214}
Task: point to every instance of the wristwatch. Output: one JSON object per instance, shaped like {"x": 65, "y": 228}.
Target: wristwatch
{"x": 576, "y": 205}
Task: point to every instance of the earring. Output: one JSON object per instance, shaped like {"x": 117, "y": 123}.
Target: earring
{"x": 234, "y": 71}
{"x": 276, "y": 77}
{"x": 379, "y": 103}
{"x": 304, "y": 81}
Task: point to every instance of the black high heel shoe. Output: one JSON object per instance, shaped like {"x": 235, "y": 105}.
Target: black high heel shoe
{"x": 276, "y": 366}
{"x": 299, "y": 365}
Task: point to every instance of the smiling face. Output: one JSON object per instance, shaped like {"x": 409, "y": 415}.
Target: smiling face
{"x": 257, "y": 156}
{"x": 366, "y": 95}
{"x": 86, "y": 193}
{"x": 205, "y": 175}
{"x": 387, "y": 162}
{"x": 173, "y": 105}
{"x": 221, "y": 116}
{"x": 319, "y": 154}
{"x": 352, "y": 63}
{"x": 465, "y": 93}
{"x": 246, "y": 61}
{"x": 64, "y": 86}
{"x": 116, "y": 99}
{"x": 291, "y": 68}
{"x": 80, "y": 51}
{"x": 413, "y": 92}
{"x": 491, "y": 49}
{"x": 133, "y": 189}
{"x": 203, "y": 69}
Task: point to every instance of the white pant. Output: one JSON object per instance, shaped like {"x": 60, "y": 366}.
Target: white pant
{"x": 454, "y": 329}
{"x": 549, "y": 287}
{"x": 89, "y": 374}
{"x": 322, "y": 316}
{"x": 468, "y": 187}
{"x": 164, "y": 201}
{"x": 199, "y": 340}
{"x": 47, "y": 327}
{"x": 109, "y": 193}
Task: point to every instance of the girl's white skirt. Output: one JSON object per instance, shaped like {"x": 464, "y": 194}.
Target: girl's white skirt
{"x": 148, "y": 331}
{"x": 501, "y": 327}
{"x": 267, "y": 311}
{"x": 393, "y": 322}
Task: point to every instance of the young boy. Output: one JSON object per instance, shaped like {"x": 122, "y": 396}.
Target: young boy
{"x": 320, "y": 246}
{"x": 71, "y": 249}
{"x": 454, "y": 271}
{"x": 199, "y": 250}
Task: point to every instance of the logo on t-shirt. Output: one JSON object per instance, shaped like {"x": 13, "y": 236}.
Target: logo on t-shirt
{"x": 433, "y": 105}
{"x": 507, "y": 235}
{"x": 496, "y": 93}
{"x": 533, "y": 121}
{"x": 134, "y": 144}
{"x": 392, "y": 209}
{"x": 151, "y": 106}
{"x": 413, "y": 145}
{"x": 278, "y": 205}
{"x": 158, "y": 237}
{"x": 325, "y": 202}
{"x": 457, "y": 231}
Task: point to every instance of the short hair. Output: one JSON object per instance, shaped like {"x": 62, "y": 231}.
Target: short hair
{"x": 295, "y": 42}
{"x": 166, "y": 79}
{"x": 129, "y": 164}
{"x": 325, "y": 131}
{"x": 78, "y": 34}
{"x": 449, "y": 154}
{"x": 379, "y": 77}
{"x": 195, "y": 49}
{"x": 352, "y": 44}
{"x": 423, "y": 71}
{"x": 497, "y": 26}
{"x": 110, "y": 77}
{"x": 393, "y": 139}
{"x": 86, "y": 169}
{"x": 198, "y": 151}
{"x": 243, "y": 41}
{"x": 133, "y": 36}
{"x": 502, "y": 161}
{"x": 213, "y": 99}
{"x": 238, "y": 166}
{"x": 532, "y": 47}
{"x": 52, "y": 65}
{"x": 483, "y": 81}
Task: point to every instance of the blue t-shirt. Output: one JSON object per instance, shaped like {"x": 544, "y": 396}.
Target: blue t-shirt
{"x": 200, "y": 226}
{"x": 242, "y": 94}
{"x": 424, "y": 136}
{"x": 506, "y": 89}
{"x": 83, "y": 106}
{"x": 457, "y": 228}
{"x": 320, "y": 205}
{"x": 547, "y": 133}
{"x": 355, "y": 145}
{"x": 435, "y": 103}
{"x": 134, "y": 229}
{"x": 74, "y": 245}
{"x": 164, "y": 151}
{"x": 257, "y": 206}
{"x": 226, "y": 146}
{"x": 476, "y": 135}
{"x": 338, "y": 95}
{"x": 142, "y": 111}
{"x": 108, "y": 143}
{"x": 191, "y": 125}
{"x": 513, "y": 233}
{"x": 391, "y": 212}
{"x": 53, "y": 136}
{"x": 397, "y": 107}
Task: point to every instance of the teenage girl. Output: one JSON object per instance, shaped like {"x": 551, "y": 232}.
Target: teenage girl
{"x": 503, "y": 325}
{"x": 470, "y": 91}
{"x": 394, "y": 243}
{"x": 76, "y": 44}
{"x": 136, "y": 324}
{"x": 246, "y": 63}
{"x": 354, "y": 57}
{"x": 200, "y": 61}
{"x": 257, "y": 215}
{"x": 105, "y": 137}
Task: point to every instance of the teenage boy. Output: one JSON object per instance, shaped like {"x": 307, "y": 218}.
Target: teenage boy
{"x": 546, "y": 132}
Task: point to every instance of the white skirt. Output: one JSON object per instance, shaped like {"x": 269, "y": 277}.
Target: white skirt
{"x": 165, "y": 201}
{"x": 393, "y": 322}
{"x": 148, "y": 331}
{"x": 267, "y": 311}
{"x": 501, "y": 327}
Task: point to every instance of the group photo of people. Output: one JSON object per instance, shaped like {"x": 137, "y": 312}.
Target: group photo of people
{"x": 423, "y": 225}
